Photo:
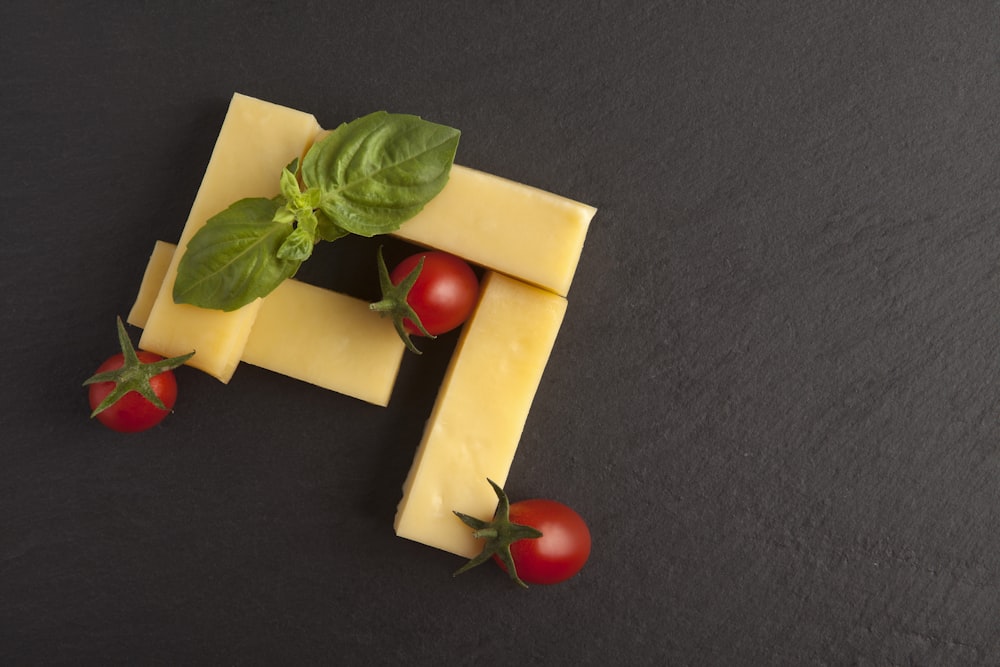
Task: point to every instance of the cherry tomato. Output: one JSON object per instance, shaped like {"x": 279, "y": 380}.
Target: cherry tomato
{"x": 562, "y": 549}
{"x": 133, "y": 412}
{"x": 537, "y": 541}
{"x": 133, "y": 391}
{"x": 444, "y": 294}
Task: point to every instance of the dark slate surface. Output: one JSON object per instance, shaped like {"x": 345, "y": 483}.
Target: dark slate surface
{"x": 774, "y": 396}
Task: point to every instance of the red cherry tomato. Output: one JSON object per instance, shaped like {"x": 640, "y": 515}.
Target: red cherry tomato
{"x": 132, "y": 391}
{"x": 562, "y": 549}
{"x": 444, "y": 294}
{"x": 133, "y": 412}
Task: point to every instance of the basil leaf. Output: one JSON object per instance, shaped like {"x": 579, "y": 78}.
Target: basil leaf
{"x": 284, "y": 216}
{"x": 233, "y": 259}
{"x": 380, "y": 170}
{"x": 289, "y": 185}
{"x": 299, "y": 244}
{"x": 327, "y": 229}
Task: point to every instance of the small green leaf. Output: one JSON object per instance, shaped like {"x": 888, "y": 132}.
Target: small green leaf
{"x": 233, "y": 259}
{"x": 312, "y": 197}
{"x": 380, "y": 170}
{"x": 289, "y": 186}
{"x": 298, "y": 246}
{"x": 284, "y": 216}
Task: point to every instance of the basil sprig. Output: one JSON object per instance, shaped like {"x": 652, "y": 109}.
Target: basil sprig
{"x": 367, "y": 177}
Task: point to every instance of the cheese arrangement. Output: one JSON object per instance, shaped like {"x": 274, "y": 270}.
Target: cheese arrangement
{"x": 527, "y": 241}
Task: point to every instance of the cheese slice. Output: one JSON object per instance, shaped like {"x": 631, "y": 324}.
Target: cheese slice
{"x": 516, "y": 229}
{"x": 306, "y": 332}
{"x": 480, "y": 413}
{"x": 329, "y": 339}
{"x": 256, "y": 141}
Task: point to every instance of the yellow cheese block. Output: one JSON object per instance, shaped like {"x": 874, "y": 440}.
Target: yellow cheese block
{"x": 331, "y": 340}
{"x": 480, "y": 413}
{"x": 516, "y": 229}
{"x": 328, "y": 339}
{"x": 256, "y": 141}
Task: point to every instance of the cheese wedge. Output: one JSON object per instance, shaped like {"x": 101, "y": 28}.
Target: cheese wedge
{"x": 516, "y": 229}
{"x": 256, "y": 141}
{"x": 480, "y": 413}
{"x": 309, "y": 333}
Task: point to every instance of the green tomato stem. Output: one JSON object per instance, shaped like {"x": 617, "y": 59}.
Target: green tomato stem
{"x": 133, "y": 375}
{"x": 499, "y": 534}
{"x": 394, "y": 304}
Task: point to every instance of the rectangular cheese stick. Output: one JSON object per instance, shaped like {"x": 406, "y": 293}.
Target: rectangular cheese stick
{"x": 256, "y": 141}
{"x": 329, "y": 339}
{"x": 480, "y": 412}
{"x": 527, "y": 233}
{"x": 306, "y": 332}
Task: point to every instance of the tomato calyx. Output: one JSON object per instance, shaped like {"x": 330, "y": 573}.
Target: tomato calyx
{"x": 133, "y": 375}
{"x": 499, "y": 534}
{"x": 394, "y": 302}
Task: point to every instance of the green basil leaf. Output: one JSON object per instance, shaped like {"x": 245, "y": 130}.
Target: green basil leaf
{"x": 233, "y": 259}
{"x": 298, "y": 245}
{"x": 289, "y": 185}
{"x": 327, "y": 229}
{"x": 284, "y": 216}
{"x": 380, "y": 170}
